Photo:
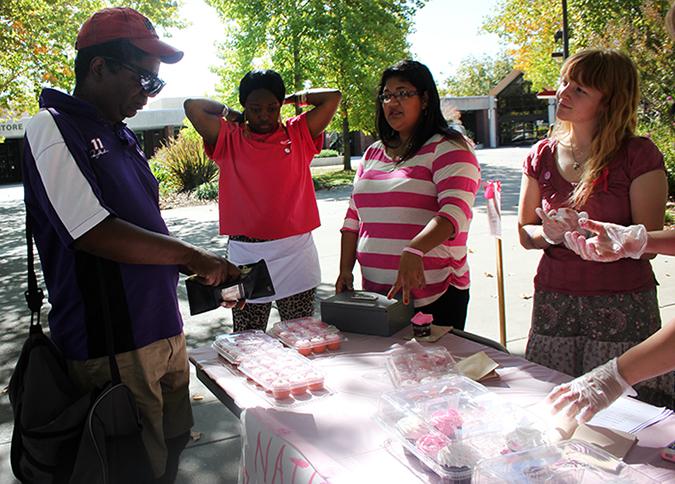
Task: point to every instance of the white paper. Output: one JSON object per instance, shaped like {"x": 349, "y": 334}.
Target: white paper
{"x": 629, "y": 415}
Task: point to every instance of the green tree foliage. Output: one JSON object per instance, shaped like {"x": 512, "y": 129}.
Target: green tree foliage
{"x": 477, "y": 75}
{"x": 331, "y": 43}
{"x": 37, "y": 44}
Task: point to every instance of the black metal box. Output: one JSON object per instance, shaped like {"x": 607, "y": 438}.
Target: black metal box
{"x": 366, "y": 313}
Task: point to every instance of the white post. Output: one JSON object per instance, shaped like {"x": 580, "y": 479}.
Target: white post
{"x": 551, "y": 110}
{"x": 492, "y": 120}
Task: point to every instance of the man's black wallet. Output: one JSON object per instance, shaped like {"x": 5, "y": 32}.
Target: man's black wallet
{"x": 253, "y": 283}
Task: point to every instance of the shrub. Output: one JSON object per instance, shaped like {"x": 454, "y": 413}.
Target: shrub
{"x": 664, "y": 137}
{"x": 327, "y": 154}
{"x": 163, "y": 177}
{"x": 185, "y": 162}
{"x": 207, "y": 191}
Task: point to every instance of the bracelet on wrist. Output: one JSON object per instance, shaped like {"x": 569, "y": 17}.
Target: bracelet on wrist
{"x": 414, "y": 251}
{"x": 301, "y": 99}
{"x": 226, "y": 112}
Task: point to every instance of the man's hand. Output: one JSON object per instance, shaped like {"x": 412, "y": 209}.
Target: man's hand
{"x": 212, "y": 268}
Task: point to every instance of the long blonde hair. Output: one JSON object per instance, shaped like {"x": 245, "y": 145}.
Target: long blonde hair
{"x": 614, "y": 74}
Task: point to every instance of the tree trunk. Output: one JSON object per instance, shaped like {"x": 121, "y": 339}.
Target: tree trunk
{"x": 346, "y": 147}
{"x": 297, "y": 76}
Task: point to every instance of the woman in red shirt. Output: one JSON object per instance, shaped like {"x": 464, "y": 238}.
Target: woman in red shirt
{"x": 266, "y": 197}
{"x": 585, "y": 313}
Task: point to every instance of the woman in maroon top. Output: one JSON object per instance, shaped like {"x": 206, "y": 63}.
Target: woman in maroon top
{"x": 585, "y": 312}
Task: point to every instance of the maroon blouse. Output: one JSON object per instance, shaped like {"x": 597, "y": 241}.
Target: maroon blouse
{"x": 560, "y": 269}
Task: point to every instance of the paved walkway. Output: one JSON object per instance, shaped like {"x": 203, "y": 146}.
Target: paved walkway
{"x": 213, "y": 458}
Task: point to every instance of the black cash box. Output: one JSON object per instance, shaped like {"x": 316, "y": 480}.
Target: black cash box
{"x": 366, "y": 313}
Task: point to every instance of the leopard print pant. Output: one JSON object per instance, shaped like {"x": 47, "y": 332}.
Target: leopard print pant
{"x": 255, "y": 316}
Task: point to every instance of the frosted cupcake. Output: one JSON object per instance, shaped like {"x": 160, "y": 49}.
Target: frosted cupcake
{"x": 411, "y": 427}
{"x": 421, "y": 324}
{"x": 449, "y": 421}
{"x": 459, "y": 459}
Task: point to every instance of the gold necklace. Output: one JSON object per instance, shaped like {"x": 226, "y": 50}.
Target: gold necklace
{"x": 397, "y": 153}
{"x": 577, "y": 164}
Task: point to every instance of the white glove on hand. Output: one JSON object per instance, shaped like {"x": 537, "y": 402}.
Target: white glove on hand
{"x": 585, "y": 396}
{"x": 556, "y": 222}
{"x": 611, "y": 243}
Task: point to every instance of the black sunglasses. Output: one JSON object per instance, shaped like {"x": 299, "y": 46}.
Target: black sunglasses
{"x": 400, "y": 95}
{"x": 150, "y": 83}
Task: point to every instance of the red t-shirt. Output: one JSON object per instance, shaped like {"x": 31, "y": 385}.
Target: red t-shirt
{"x": 560, "y": 269}
{"x": 265, "y": 188}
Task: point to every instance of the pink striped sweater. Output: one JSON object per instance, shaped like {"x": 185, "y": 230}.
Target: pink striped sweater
{"x": 392, "y": 202}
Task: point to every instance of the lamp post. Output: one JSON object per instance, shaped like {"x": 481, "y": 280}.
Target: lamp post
{"x": 565, "y": 36}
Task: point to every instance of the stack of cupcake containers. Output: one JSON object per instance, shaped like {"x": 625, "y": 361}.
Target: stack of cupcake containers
{"x": 571, "y": 461}
{"x": 453, "y": 423}
{"x": 234, "y": 346}
{"x": 413, "y": 364}
{"x": 284, "y": 375}
{"x": 308, "y": 335}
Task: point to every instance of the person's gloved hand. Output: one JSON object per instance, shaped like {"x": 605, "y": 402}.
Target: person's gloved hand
{"x": 586, "y": 395}
{"x": 611, "y": 243}
{"x": 556, "y": 222}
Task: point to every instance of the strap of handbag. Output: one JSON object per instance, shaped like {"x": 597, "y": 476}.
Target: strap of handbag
{"x": 35, "y": 296}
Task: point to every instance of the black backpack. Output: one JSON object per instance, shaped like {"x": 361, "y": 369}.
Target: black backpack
{"x": 60, "y": 434}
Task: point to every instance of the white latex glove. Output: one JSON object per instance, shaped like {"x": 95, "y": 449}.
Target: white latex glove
{"x": 612, "y": 242}
{"x": 586, "y": 395}
{"x": 556, "y": 222}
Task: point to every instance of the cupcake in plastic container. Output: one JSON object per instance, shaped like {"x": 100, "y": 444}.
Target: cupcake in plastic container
{"x": 421, "y": 324}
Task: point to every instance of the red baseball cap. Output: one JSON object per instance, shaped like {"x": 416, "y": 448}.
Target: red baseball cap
{"x": 125, "y": 23}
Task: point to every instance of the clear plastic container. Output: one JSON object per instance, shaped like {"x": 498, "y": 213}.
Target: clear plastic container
{"x": 308, "y": 335}
{"x": 235, "y": 346}
{"x": 571, "y": 461}
{"x": 284, "y": 375}
{"x": 453, "y": 423}
{"x": 411, "y": 364}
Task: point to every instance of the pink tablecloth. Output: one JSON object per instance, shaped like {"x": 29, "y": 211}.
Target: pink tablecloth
{"x": 340, "y": 438}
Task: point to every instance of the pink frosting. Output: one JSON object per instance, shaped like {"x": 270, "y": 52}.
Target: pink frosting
{"x": 421, "y": 318}
{"x": 430, "y": 444}
{"x": 447, "y": 421}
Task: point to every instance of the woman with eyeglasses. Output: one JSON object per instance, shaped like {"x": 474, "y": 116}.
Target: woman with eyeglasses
{"x": 411, "y": 205}
{"x": 585, "y": 313}
{"x": 266, "y": 195}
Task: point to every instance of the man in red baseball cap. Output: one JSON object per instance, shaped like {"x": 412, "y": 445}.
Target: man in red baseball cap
{"x": 93, "y": 203}
{"x": 125, "y": 23}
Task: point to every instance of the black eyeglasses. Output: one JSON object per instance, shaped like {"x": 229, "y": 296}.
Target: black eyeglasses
{"x": 150, "y": 83}
{"x": 400, "y": 95}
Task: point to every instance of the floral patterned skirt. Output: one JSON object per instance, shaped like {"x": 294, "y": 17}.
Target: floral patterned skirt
{"x": 574, "y": 334}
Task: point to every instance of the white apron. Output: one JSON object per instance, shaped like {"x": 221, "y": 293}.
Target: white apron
{"x": 293, "y": 263}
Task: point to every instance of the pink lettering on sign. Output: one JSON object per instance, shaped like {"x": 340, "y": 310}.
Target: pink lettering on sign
{"x": 263, "y": 464}
{"x": 297, "y": 463}
{"x": 278, "y": 466}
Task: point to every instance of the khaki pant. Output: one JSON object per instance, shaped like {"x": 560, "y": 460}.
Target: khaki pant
{"x": 158, "y": 375}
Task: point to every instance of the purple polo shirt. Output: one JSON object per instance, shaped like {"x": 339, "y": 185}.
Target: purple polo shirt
{"x": 79, "y": 170}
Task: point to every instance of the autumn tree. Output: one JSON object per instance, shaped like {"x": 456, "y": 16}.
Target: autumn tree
{"x": 633, "y": 26}
{"x": 477, "y": 75}
{"x": 37, "y": 44}
{"x": 529, "y": 28}
{"x": 335, "y": 43}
